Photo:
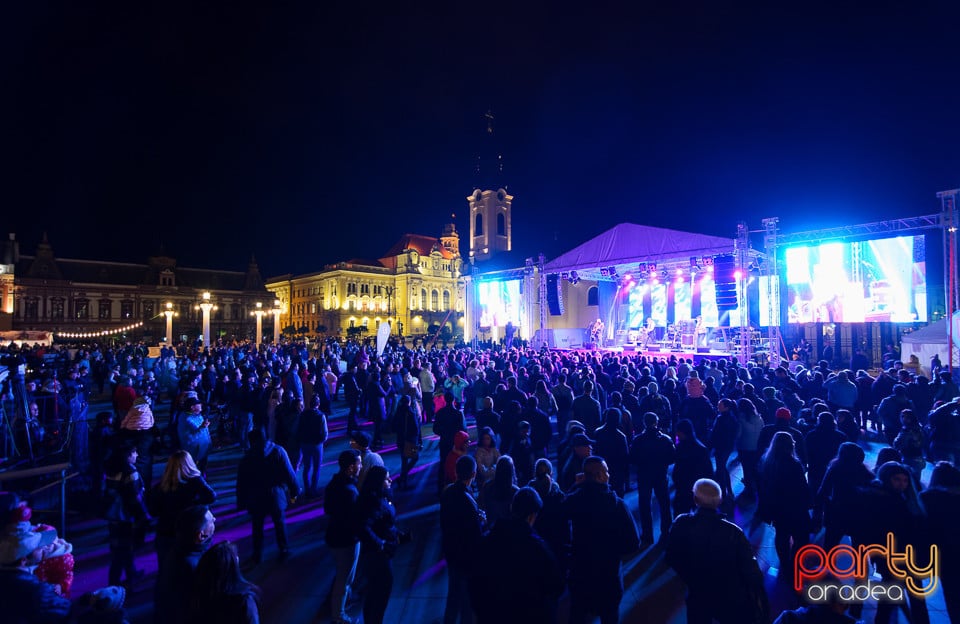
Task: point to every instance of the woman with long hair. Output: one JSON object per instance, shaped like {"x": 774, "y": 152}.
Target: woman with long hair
{"x": 748, "y": 441}
{"x": 496, "y": 495}
{"x": 783, "y": 499}
{"x": 379, "y": 538}
{"x": 124, "y": 511}
{"x": 838, "y": 492}
{"x": 221, "y": 595}
{"x": 486, "y": 455}
{"x": 180, "y": 487}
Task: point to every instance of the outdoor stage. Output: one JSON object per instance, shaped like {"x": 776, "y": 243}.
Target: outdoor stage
{"x": 653, "y": 352}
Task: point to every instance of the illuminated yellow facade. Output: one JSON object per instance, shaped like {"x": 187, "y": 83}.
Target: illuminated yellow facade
{"x": 417, "y": 285}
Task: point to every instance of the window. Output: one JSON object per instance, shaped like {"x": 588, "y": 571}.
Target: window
{"x": 30, "y": 307}
{"x": 148, "y": 309}
{"x": 478, "y": 225}
{"x": 351, "y": 288}
{"x": 126, "y": 309}
{"x": 501, "y": 225}
{"x": 593, "y": 296}
{"x": 364, "y": 289}
{"x": 106, "y": 310}
{"x": 166, "y": 278}
{"x": 446, "y": 300}
{"x": 82, "y": 309}
{"x": 56, "y": 308}
{"x": 234, "y": 311}
{"x": 313, "y": 308}
{"x": 423, "y": 298}
{"x": 186, "y": 311}
{"x": 378, "y": 290}
{"x": 434, "y": 300}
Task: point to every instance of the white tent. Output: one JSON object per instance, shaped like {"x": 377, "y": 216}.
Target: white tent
{"x": 927, "y": 342}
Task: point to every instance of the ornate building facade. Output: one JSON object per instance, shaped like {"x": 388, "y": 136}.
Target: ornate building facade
{"x": 91, "y": 297}
{"x": 416, "y": 286}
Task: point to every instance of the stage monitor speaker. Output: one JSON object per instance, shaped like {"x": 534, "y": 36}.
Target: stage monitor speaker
{"x": 653, "y": 348}
{"x": 703, "y": 349}
{"x": 554, "y": 299}
{"x": 687, "y": 340}
{"x": 589, "y": 346}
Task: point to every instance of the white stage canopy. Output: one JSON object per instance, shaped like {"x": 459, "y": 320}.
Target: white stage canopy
{"x": 623, "y": 246}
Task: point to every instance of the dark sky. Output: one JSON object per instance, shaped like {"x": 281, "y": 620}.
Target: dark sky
{"x": 313, "y": 134}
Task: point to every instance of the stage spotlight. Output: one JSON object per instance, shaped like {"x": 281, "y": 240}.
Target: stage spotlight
{"x": 709, "y": 268}
{"x": 738, "y": 274}
{"x": 707, "y": 260}
{"x": 679, "y": 271}
{"x": 604, "y": 272}
{"x": 664, "y": 274}
{"x": 693, "y": 262}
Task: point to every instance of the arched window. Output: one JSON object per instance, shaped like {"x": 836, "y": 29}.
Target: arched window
{"x": 446, "y": 300}
{"x": 593, "y": 296}
{"x": 423, "y": 298}
{"x": 434, "y": 300}
{"x": 501, "y": 224}
{"x": 478, "y": 225}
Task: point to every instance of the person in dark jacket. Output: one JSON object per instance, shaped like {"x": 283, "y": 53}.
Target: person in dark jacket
{"x": 691, "y": 462}
{"x": 586, "y": 409}
{"x": 651, "y": 455}
{"x": 518, "y": 580}
{"x": 406, "y": 424}
{"x": 265, "y": 484}
{"x": 582, "y": 449}
{"x": 194, "y": 529}
{"x": 891, "y": 505}
{"x": 838, "y": 492}
{"x": 551, "y": 524}
{"x": 461, "y": 528}
{"x": 541, "y": 431}
{"x": 182, "y": 486}
{"x": 221, "y": 595}
{"x": 784, "y": 499}
{"x": 375, "y": 398}
{"x": 715, "y": 560}
{"x": 723, "y": 441}
{"x": 379, "y": 538}
{"x": 611, "y": 444}
{"x": 124, "y": 511}
{"x": 447, "y": 422}
{"x": 888, "y": 412}
{"x": 351, "y": 393}
{"x": 603, "y": 532}
{"x": 822, "y": 444}
{"x": 942, "y": 503}
{"x": 340, "y": 507}
{"x": 312, "y": 432}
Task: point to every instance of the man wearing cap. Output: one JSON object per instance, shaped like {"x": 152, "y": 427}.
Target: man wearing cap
{"x": 582, "y": 449}
{"x": 782, "y": 423}
{"x": 715, "y": 560}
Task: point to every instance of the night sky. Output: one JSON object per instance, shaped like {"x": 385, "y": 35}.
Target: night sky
{"x": 306, "y": 136}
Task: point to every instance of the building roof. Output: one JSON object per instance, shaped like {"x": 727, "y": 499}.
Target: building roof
{"x": 423, "y": 244}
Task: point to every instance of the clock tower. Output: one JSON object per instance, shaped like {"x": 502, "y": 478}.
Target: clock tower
{"x": 490, "y": 203}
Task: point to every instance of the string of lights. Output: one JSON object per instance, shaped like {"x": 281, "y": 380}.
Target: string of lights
{"x": 97, "y": 334}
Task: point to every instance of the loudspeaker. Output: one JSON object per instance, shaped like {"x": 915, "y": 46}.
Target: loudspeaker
{"x": 653, "y": 348}
{"x": 703, "y": 349}
{"x": 589, "y": 346}
{"x": 554, "y": 299}
{"x": 725, "y": 282}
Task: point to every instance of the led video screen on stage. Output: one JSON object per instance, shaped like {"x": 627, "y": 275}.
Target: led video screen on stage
{"x": 863, "y": 281}
{"x": 499, "y": 303}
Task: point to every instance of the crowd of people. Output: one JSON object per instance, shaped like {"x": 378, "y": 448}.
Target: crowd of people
{"x": 536, "y": 452}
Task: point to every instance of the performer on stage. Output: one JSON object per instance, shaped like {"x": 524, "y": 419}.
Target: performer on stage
{"x": 651, "y": 332}
{"x": 596, "y": 333}
{"x": 701, "y": 332}
{"x": 509, "y": 332}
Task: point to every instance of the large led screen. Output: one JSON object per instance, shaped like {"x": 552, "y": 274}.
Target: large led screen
{"x": 863, "y": 281}
{"x": 499, "y": 303}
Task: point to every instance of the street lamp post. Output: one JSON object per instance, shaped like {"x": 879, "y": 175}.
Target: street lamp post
{"x": 206, "y": 306}
{"x": 277, "y": 309}
{"x": 259, "y": 312}
{"x": 169, "y": 313}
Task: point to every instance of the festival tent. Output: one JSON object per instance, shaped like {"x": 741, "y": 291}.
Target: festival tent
{"x": 620, "y": 250}
{"x": 927, "y": 342}
{"x": 623, "y": 246}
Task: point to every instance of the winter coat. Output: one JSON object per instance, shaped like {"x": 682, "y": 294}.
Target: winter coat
{"x": 265, "y": 479}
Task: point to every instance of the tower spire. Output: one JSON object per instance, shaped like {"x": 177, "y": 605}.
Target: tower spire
{"x": 488, "y": 172}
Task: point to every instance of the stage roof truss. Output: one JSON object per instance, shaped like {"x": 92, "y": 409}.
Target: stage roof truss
{"x": 893, "y": 227}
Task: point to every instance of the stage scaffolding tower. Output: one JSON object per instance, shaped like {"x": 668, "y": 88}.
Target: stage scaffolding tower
{"x": 542, "y": 283}
{"x": 771, "y": 270}
{"x": 949, "y": 221}
{"x": 742, "y": 249}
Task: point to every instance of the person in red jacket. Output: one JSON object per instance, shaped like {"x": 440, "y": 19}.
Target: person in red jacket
{"x": 461, "y": 444}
